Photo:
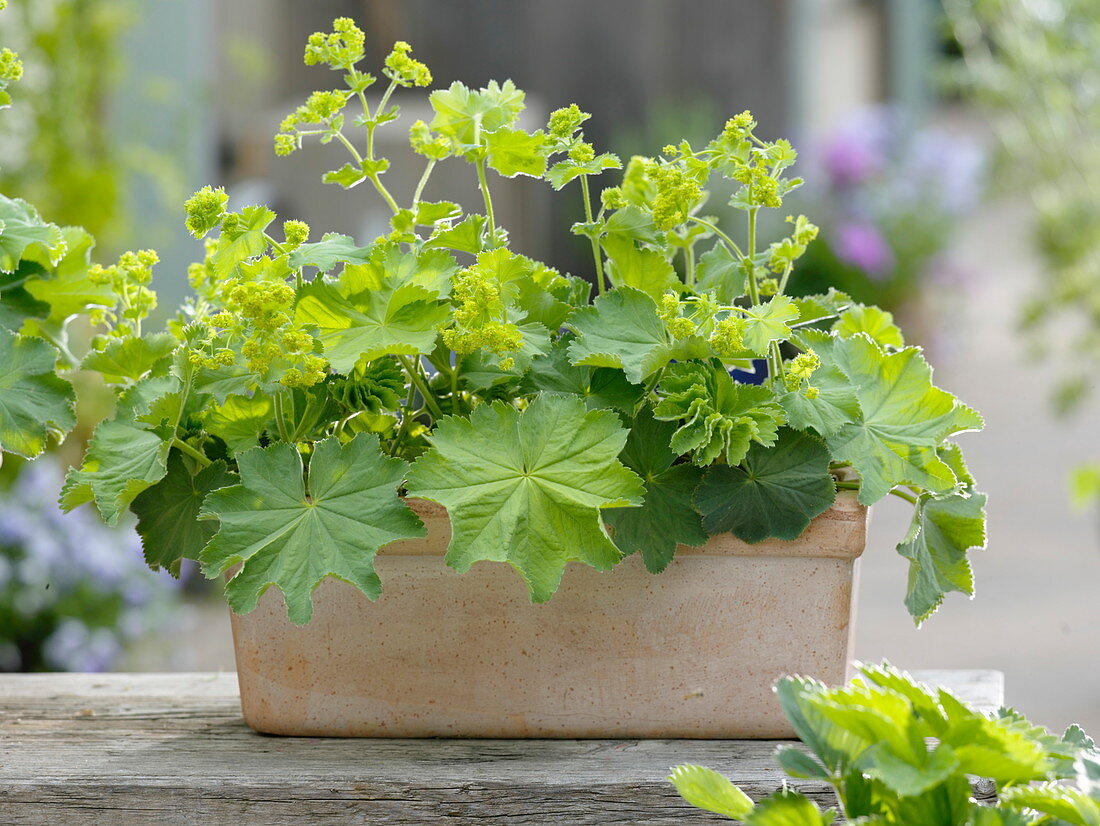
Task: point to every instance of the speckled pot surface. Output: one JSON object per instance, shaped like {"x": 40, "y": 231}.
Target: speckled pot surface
{"x": 691, "y": 652}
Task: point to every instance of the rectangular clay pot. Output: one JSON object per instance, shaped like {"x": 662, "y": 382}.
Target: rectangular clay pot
{"x": 692, "y": 652}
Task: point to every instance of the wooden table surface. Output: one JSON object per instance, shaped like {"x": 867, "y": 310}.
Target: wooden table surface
{"x": 173, "y": 749}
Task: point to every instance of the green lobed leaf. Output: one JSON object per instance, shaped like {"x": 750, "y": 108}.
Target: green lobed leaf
{"x": 290, "y": 527}
{"x": 242, "y": 240}
{"x": 129, "y": 359}
{"x": 17, "y": 304}
{"x": 643, "y": 269}
{"x": 22, "y": 230}
{"x": 123, "y": 459}
{"x": 332, "y": 249}
{"x": 168, "y": 512}
{"x": 621, "y": 329}
{"x": 708, "y": 790}
{"x": 877, "y": 324}
{"x": 33, "y": 401}
{"x": 769, "y": 322}
{"x": 776, "y": 492}
{"x": 718, "y": 270}
{"x": 527, "y": 488}
{"x": 468, "y": 235}
{"x": 359, "y": 321}
{"x": 717, "y": 416}
{"x": 565, "y": 171}
{"x": 461, "y": 113}
{"x": 516, "y": 152}
{"x": 834, "y": 406}
{"x": 667, "y": 518}
{"x": 941, "y": 533}
{"x": 239, "y": 421}
{"x": 600, "y": 387}
{"x": 903, "y": 417}
{"x": 68, "y": 290}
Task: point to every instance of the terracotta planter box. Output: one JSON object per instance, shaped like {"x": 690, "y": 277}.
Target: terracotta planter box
{"x": 691, "y": 652}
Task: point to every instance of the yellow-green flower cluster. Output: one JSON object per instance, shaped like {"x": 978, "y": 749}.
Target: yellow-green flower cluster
{"x": 669, "y": 312}
{"x": 340, "y": 49}
{"x": 739, "y": 126}
{"x": 319, "y": 108}
{"x": 425, "y": 142}
{"x": 403, "y": 69}
{"x": 677, "y": 194}
{"x": 582, "y": 152}
{"x": 481, "y": 318}
{"x": 800, "y": 369}
{"x": 295, "y": 233}
{"x": 129, "y": 280}
{"x": 564, "y": 122}
{"x": 11, "y": 67}
{"x": 782, "y": 254}
{"x": 763, "y": 188}
{"x": 205, "y": 210}
{"x": 728, "y": 338}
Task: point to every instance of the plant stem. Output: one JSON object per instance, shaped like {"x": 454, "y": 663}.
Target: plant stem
{"x": 280, "y": 421}
{"x": 912, "y": 500}
{"x": 750, "y": 276}
{"x": 484, "y": 186}
{"x": 190, "y": 451}
{"x": 729, "y": 242}
{"x": 423, "y": 182}
{"x": 74, "y": 362}
{"x": 372, "y": 125}
{"x": 689, "y": 265}
{"x": 350, "y": 147}
{"x": 596, "y": 254}
{"x": 422, "y": 386}
{"x": 776, "y": 357}
{"x": 843, "y": 485}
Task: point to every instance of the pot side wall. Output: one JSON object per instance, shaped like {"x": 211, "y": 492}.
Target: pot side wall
{"x": 692, "y": 652}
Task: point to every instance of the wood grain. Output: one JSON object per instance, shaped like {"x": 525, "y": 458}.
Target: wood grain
{"x": 172, "y": 749}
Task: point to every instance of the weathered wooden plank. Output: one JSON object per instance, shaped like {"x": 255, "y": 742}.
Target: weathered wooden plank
{"x": 172, "y": 749}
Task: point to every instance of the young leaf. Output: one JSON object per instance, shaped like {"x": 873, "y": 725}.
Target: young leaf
{"x": 168, "y": 513}
{"x": 776, "y": 491}
{"x": 515, "y": 152}
{"x": 769, "y": 322}
{"x": 565, "y": 171}
{"x": 240, "y": 420}
{"x": 22, "y": 228}
{"x": 331, "y": 250}
{"x": 600, "y": 387}
{"x": 460, "y": 112}
{"x": 129, "y": 359}
{"x": 68, "y": 290}
{"x": 667, "y": 518}
{"x": 291, "y": 530}
{"x": 708, "y": 790}
{"x": 903, "y": 418}
{"x": 468, "y": 235}
{"x": 941, "y": 533}
{"x": 643, "y": 269}
{"x": 527, "y": 488}
{"x": 717, "y": 416}
{"x": 33, "y": 400}
{"x": 621, "y": 329}
{"x": 877, "y": 324}
{"x": 123, "y": 459}
{"x": 720, "y": 271}
{"x": 358, "y": 322}
{"x": 834, "y": 406}
{"x": 242, "y": 240}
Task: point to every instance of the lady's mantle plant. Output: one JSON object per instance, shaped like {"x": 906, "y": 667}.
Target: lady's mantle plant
{"x": 270, "y": 431}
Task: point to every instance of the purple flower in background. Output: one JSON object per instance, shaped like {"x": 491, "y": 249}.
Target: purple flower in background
{"x": 863, "y": 246}
{"x": 70, "y": 575}
{"x": 858, "y": 150}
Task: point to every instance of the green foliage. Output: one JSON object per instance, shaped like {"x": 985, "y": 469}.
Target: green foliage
{"x": 290, "y": 526}
{"x": 898, "y": 753}
{"x": 527, "y": 488}
{"x": 437, "y": 361}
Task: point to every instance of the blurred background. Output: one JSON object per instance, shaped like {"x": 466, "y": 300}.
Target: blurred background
{"x": 952, "y": 153}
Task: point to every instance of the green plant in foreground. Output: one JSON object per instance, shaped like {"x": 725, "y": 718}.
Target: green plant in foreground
{"x": 274, "y": 425}
{"x": 897, "y": 752}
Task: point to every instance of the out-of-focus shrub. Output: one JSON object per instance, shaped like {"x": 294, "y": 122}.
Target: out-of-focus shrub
{"x": 890, "y": 202}
{"x": 73, "y": 592}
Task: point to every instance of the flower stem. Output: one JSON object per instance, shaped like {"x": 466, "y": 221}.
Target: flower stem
{"x": 190, "y": 451}
{"x": 422, "y": 386}
{"x": 596, "y": 254}
{"x": 484, "y": 186}
{"x": 280, "y": 420}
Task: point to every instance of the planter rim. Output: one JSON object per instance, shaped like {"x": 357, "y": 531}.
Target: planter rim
{"x": 838, "y": 533}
